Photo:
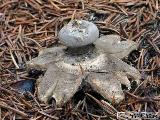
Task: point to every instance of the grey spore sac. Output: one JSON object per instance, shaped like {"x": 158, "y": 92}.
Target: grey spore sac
{"x": 78, "y": 33}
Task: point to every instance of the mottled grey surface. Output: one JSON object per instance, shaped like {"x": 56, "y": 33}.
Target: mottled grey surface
{"x": 113, "y": 45}
{"x": 104, "y": 72}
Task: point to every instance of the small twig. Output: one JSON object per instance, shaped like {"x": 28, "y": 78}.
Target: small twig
{"x": 13, "y": 59}
{"x": 106, "y": 108}
{"x": 154, "y": 46}
{"x": 4, "y": 105}
{"x": 50, "y": 116}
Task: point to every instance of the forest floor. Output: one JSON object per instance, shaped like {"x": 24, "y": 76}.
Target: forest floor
{"x": 27, "y": 26}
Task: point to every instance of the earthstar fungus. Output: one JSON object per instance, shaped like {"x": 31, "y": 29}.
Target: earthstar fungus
{"x": 80, "y": 61}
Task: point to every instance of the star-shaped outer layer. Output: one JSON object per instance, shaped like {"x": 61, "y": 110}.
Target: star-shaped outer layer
{"x": 61, "y": 80}
{"x": 113, "y": 45}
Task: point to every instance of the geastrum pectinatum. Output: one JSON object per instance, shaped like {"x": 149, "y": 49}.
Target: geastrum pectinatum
{"x": 81, "y": 61}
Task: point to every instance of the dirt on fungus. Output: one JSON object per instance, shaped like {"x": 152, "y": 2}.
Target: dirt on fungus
{"x": 28, "y": 26}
